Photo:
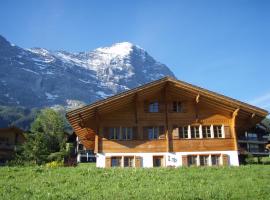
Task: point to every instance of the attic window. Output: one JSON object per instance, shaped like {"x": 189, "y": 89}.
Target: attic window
{"x": 154, "y": 106}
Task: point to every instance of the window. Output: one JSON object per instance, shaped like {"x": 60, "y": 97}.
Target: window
{"x": 206, "y": 131}
{"x": 217, "y": 131}
{"x": 128, "y": 161}
{"x": 114, "y": 133}
{"x": 183, "y": 132}
{"x": 252, "y": 136}
{"x": 116, "y": 161}
{"x": 154, "y": 106}
{"x": 157, "y": 161}
{"x": 127, "y": 133}
{"x": 253, "y": 147}
{"x": 204, "y": 160}
{"x": 153, "y": 133}
{"x": 192, "y": 160}
{"x": 215, "y": 160}
{"x": 177, "y": 106}
{"x": 195, "y": 132}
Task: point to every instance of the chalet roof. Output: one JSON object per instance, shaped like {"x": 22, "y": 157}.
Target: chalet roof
{"x": 201, "y": 91}
{"x": 76, "y": 116}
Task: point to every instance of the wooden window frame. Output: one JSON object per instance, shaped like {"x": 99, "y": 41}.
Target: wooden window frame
{"x": 218, "y": 160}
{"x": 121, "y": 133}
{"x": 218, "y": 131}
{"x": 131, "y": 161}
{"x": 195, "y": 132}
{"x": 206, "y": 133}
{"x": 183, "y": 132}
{"x": 116, "y": 157}
{"x": 194, "y": 159}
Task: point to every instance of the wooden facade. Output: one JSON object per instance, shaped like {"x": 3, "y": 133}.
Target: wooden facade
{"x": 10, "y": 138}
{"x": 184, "y": 118}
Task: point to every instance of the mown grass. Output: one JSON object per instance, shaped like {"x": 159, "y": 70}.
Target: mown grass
{"x": 88, "y": 182}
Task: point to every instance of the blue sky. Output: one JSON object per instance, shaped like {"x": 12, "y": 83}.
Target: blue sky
{"x": 221, "y": 45}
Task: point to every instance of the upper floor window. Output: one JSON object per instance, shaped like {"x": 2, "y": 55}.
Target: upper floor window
{"x": 217, "y": 131}
{"x": 206, "y": 131}
{"x": 183, "y": 132}
{"x": 153, "y": 133}
{"x": 195, "y": 131}
{"x": 120, "y": 133}
{"x": 153, "y": 106}
{"x": 177, "y": 106}
{"x": 114, "y": 133}
{"x": 126, "y": 133}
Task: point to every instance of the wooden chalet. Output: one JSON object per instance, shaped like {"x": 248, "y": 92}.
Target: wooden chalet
{"x": 10, "y": 139}
{"x": 165, "y": 123}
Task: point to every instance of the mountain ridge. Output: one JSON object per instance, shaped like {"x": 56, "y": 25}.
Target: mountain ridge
{"x": 38, "y": 77}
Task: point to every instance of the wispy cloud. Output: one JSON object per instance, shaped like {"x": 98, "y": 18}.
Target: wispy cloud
{"x": 262, "y": 101}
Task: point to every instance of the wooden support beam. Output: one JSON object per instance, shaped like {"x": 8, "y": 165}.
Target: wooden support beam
{"x": 96, "y": 150}
{"x": 198, "y": 98}
{"x": 233, "y": 127}
{"x": 253, "y": 115}
{"x": 165, "y": 98}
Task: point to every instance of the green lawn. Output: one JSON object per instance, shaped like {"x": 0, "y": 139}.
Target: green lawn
{"x": 88, "y": 182}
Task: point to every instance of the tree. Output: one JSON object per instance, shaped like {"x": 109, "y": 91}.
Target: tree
{"x": 46, "y": 140}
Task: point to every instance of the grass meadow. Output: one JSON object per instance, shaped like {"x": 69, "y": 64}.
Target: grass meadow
{"x": 88, "y": 182}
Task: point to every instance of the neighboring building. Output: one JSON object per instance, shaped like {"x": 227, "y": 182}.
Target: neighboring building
{"x": 84, "y": 155}
{"x": 164, "y": 123}
{"x": 10, "y": 139}
{"x": 254, "y": 141}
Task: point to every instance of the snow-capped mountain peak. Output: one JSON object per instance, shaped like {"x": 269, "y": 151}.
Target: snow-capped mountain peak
{"x": 119, "y": 49}
{"x": 53, "y": 77}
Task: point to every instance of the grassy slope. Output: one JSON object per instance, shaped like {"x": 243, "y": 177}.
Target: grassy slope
{"x": 88, "y": 182}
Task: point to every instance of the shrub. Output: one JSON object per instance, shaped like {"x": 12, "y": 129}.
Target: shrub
{"x": 250, "y": 159}
{"x": 54, "y": 164}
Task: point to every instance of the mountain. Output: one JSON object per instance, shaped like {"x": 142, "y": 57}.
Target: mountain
{"x": 37, "y": 77}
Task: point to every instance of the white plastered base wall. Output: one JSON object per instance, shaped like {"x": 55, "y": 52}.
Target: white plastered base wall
{"x": 170, "y": 159}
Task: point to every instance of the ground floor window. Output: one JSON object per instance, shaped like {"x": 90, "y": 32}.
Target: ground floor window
{"x": 204, "y": 160}
{"x": 157, "y": 161}
{"x": 192, "y": 160}
{"x": 215, "y": 159}
{"x": 116, "y": 161}
{"x": 128, "y": 161}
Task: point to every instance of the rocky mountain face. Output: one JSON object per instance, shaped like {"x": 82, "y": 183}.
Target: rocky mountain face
{"x": 35, "y": 78}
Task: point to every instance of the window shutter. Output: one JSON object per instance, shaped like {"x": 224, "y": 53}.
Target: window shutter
{"x": 108, "y": 162}
{"x": 184, "y": 161}
{"x": 227, "y": 131}
{"x": 146, "y": 106}
{"x": 161, "y": 132}
{"x": 138, "y": 161}
{"x": 175, "y": 132}
{"x": 225, "y": 159}
{"x": 135, "y": 133}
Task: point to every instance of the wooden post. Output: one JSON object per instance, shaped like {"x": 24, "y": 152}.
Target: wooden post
{"x": 165, "y": 94}
{"x": 97, "y": 131}
{"x": 234, "y": 136}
